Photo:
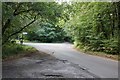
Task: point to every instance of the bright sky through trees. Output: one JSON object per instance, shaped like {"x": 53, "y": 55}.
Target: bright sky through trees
{"x": 61, "y": 1}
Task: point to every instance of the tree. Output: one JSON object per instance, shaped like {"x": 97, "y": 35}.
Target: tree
{"x": 46, "y": 32}
{"x": 94, "y": 25}
{"x": 18, "y": 16}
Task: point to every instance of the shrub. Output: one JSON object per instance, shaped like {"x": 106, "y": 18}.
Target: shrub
{"x": 11, "y": 49}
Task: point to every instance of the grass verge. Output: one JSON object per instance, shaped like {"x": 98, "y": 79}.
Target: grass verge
{"x": 100, "y": 54}
{"x": 12, "y": 51}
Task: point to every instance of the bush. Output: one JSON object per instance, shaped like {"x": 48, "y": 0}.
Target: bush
{"x": 110, "y": 46}
{"x": 11, "y": 49}
{"x": 99, "y": 44}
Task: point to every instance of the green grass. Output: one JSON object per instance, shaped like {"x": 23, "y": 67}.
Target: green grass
{"x": 14, "y": 50}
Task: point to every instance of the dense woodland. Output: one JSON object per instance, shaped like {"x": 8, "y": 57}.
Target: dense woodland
{"x": 95, "y": 26}
{"x": 91, "y": 26}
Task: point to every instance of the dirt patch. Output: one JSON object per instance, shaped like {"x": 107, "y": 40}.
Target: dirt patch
{"x": 26, "y": 54}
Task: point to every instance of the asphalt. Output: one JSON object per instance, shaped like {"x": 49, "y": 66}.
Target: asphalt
{"x": 99, "y": 66}
{"x": 35, "y": 66}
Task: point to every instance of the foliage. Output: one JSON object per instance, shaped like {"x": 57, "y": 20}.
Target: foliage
{"x": 18, "y": 16}
{"x": 47, "y": 32}
{"x": 94, "y": 26}
{"x": 11, "y": 49}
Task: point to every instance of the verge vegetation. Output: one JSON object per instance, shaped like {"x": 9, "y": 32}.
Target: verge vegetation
{"x": 12, "y": 51}
{"x": 91, "y": 26}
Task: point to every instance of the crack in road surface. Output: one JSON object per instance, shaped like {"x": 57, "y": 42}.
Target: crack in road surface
{"x": 102, "y": 67}
{"x": 46, "y": 67}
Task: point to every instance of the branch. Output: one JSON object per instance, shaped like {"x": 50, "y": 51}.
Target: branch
{"x": 19, "y": 30}
{"x": 17, "y": 13}
{"x": 19, "y": 4}
{"x": 7, "y": 23}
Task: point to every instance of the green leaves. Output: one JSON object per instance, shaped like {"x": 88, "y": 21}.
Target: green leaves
{"x": 18, "y": 16}
{"x": 90, "y": 24}
{"x": 46, "y": 32}
{"x": 93, "y": 23}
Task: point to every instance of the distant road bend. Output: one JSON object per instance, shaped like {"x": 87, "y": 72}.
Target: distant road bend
{"x": 102, "y": 67}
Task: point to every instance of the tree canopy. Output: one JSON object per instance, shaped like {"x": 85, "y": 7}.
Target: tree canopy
{"x": 18, "y": 16}
{"x": 90, "y": 25}
{"x": 94, "y": 26}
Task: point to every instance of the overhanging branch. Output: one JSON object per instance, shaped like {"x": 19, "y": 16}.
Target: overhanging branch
{"x": 8, "y": 22}
{"x": 19, "y": 30}
{"x": 15, "y": 13}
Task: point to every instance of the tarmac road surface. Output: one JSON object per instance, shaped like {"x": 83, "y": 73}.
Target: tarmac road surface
{"x": 102, "y": 67}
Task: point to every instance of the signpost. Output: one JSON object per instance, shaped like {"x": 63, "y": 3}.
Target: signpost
{"x": 21, "y": 39}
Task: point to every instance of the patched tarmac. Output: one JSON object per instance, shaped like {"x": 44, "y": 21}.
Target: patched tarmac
{"x": 46, "y": 67}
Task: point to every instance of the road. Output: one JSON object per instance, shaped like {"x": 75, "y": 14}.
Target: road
{"x": 102, "y": 67}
